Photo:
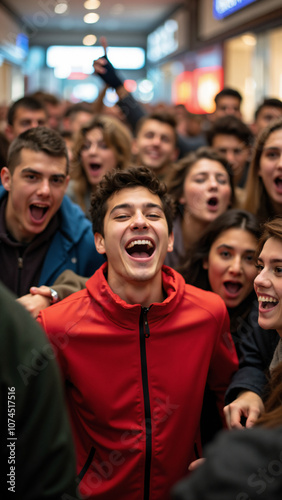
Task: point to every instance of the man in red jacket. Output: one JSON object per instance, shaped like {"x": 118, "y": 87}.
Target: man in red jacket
{"x": 136, "y": 349}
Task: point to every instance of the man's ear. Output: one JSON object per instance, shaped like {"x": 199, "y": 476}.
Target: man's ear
{"x": 170, "y": 243}
{"x": 99, "y": 243}
{"x": 67, "y": 182}
{"x": 6, "y": 178}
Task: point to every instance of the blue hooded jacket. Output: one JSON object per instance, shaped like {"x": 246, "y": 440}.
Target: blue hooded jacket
{"x": 72, "y": 246}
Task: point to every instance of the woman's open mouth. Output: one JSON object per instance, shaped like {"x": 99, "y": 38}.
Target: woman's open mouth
{"x": 232, "y": 288}
{"x": 266, "y": 303}
{"x": 212, "y": 203}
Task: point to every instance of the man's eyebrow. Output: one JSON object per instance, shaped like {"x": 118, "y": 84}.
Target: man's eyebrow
{"x": 129, "y": 205}
{"x": 30, "y": 170}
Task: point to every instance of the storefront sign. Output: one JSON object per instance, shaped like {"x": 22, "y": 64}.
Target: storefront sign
{"x": 223, "y": 8}
{"x": 196, "y": 89}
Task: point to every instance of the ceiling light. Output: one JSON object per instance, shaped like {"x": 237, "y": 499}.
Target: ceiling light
{"x": 249, "y": 39}
{"x": 92, "y": 4}
{"x": 89, "y": 40}
{"x": 91, "y": 18}
{"x": 61, "y": 8}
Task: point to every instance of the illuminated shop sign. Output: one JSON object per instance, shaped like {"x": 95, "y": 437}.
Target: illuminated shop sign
{"x": 223, "y": 8}
{"x": 163, "y": 41}
{"x": 196, "y": 89}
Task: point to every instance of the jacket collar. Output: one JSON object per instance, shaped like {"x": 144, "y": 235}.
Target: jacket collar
{"x": 125, "y": 314}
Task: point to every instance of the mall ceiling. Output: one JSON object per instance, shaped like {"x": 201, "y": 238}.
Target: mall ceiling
{"x": 125, "y": 22}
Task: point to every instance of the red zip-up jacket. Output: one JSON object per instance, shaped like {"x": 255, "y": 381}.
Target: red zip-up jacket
{"x": 135, "y": 379}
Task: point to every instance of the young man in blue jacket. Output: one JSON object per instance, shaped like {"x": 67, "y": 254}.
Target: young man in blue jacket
{"x": 42, "y": 232}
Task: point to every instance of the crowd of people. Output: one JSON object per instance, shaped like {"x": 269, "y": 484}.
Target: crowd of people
{"x": 147, "y": 243}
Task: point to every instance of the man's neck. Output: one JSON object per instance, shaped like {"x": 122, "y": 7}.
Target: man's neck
{"x": 141, "y": 292}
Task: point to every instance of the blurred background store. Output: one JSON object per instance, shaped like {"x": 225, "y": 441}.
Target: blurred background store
{"x": 168, "y": 51}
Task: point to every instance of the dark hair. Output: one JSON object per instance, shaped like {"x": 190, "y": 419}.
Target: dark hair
{"x": 178, "y": 175}
{"x": 37, "y": 139}
{"x": 115, "y": 181}
{"x": 268, "y": 102}
{"x": 79, "y": 107}
{"x": 270, "y": 229}
{"x": 159, "y": 116}
{"x": 227, "y": 92}
{"x": 257, "y": 199}
{"x": 46, "y": 98}
{"x": 230, "y": 125}
{"x": 27, "y": 102}
{"x": 193, "y": 271}
{"x": 4, "y": 146}
{"x": 273, "y": 405}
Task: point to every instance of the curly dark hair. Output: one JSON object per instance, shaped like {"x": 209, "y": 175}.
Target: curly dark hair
{"x": 115, "y": 181}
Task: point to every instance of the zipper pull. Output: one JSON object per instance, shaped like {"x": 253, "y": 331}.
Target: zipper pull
{"x": 20, "y": 262}
{"x": 146, "y": 325}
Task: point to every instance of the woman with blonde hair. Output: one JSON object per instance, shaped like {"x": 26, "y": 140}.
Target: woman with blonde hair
{"x": 101, "y": 145}
{"x": 264, "y": 183}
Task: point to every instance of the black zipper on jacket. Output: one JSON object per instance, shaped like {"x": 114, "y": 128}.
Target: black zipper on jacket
{"x": 145, "y": 333}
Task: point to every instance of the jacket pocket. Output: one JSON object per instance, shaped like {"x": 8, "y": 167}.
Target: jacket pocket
{"x": 87, "y": 464}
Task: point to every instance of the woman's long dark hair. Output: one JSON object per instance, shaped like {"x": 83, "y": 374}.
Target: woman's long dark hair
{"x": 273, "y": 405}
{"x": 192, "y": 270}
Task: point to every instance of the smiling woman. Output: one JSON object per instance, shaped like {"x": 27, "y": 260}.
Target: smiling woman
{"x": 268, "y": 283}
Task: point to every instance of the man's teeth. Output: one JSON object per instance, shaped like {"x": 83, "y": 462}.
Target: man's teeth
{"x": 140, "y": 242}
{"x": 267, "y": 299}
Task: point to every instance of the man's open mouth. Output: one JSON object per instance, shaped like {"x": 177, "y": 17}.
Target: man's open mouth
{"x": 267, "y": 302}
{"x": 232, "y": 287}
{"x": 140, "y": 248}
{"x": 38, "y": 211}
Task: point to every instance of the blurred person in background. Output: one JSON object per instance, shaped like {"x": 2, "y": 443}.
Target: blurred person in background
{"x": 264, "y": 182}
{"x": 27, "y": 112}
{"x": 202, "y": 187}
{"x": 269, "y": 110}
{"x": 228, "y": 102}
{"x": 230, "y": 137}
{"x": 101, "y": 145}
{"x": 155, "y": 143}
{"x": 54, "y": 108}
{"x": 75, "y": 116}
